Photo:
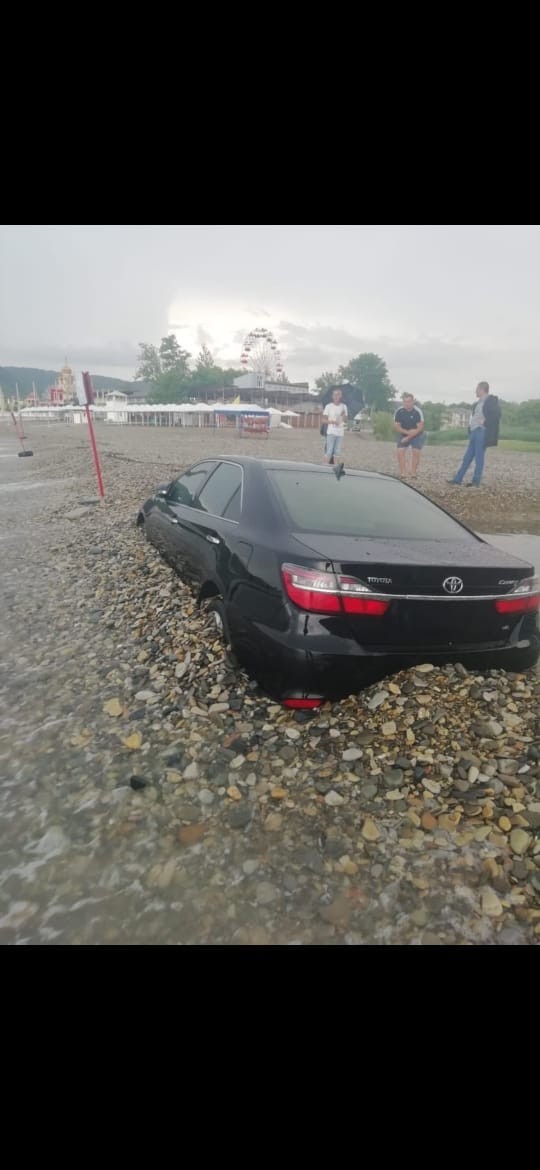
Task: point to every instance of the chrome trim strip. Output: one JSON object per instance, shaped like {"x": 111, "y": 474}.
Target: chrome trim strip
{"x": 446, "y": 596}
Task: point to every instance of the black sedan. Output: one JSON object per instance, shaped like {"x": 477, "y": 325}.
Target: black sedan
{"x": 323, "y": 579}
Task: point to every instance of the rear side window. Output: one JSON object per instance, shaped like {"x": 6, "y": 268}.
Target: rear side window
{"x": 358, "y": 506}
{"x": 221, "y": 495}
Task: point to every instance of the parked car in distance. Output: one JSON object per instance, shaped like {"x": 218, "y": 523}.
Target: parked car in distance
{"x": 322, "y": 582}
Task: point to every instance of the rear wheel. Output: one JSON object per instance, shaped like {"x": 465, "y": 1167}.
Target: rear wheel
{"x": 218, "y": 613}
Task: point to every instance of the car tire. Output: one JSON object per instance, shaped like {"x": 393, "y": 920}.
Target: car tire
{"x": 217, "y": 609}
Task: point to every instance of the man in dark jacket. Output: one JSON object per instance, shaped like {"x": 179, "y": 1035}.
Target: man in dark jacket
{"x": 483, "y": 432}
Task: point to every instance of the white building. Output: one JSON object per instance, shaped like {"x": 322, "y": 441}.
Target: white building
{"x": 116, "y": 407}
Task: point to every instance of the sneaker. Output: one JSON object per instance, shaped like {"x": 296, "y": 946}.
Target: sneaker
{"x": 472, "y": 485}
{"x": 454, "y": 481}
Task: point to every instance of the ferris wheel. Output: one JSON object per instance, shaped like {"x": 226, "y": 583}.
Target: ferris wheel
{"x": 260, "y": 353}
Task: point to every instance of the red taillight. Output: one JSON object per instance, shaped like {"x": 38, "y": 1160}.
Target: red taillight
{"x": 369, "y": 606}
{"x": 518, "y": 604}
{"x": 322, "y": 592}
{"x": 302, "y": 704}
{"x": 311, "y": 590}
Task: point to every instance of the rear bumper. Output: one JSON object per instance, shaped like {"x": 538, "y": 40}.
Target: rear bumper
{"x": 323, "y": 663}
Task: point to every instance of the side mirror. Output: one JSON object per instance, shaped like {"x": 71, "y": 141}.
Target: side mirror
{"x": 162, "y": 492}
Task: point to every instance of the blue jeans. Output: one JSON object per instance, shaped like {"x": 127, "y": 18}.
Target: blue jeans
{"x": 333, "y": 445}
{"x": 476, "y": 451}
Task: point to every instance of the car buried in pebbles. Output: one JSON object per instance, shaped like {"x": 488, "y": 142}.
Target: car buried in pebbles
{"x": 322, "y": 579}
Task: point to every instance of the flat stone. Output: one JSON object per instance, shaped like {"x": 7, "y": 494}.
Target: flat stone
{"x": 352, "y": 754}
{"x": 507, "y": 767}
{"x": 266, "y": 893}
{"x": 188, "y": 812}
{"x": 393, "y": 778}
{"x": 491, "y": 904}
{"x": 377, "y": 700}
{"x": 424, "y": 668}
{"x": 273, "y": 822}
{"x": 333, "y": 799}
{"x": 489, "y": 730}
{"x": 370, "y": 831}
{"x": 520, "y": 841}
{"x": 192, "y": 771}
{"x": 389, "y": 728}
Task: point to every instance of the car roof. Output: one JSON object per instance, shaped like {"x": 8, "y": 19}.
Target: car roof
{"x": 289, "y": 465}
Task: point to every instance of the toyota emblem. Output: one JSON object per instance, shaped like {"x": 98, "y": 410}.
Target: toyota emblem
{"x": 452, "y": 585}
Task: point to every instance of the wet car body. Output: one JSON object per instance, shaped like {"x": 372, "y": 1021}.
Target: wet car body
{"x": 329, "y": 582}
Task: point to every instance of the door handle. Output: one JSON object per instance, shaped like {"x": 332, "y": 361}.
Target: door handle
{"x": 213, "y": 539}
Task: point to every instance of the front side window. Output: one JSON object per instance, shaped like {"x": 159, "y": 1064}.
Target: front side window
{"x": 185, "y": 489}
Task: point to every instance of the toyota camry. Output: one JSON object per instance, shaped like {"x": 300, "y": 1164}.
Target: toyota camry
{"x": 321, "y": 578}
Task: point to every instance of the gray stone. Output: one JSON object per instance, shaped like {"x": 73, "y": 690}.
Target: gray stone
{"x": 266, "y": 893}
{"x": 507, "y": 767}
{"x": 188, "y": 812}
{"x": 192, "y": 771}
{"x": 393, "y": 778}
{"x": 333, "y": 799}
{"x": 377, "y": 700}
{"x": 239, "y": 816}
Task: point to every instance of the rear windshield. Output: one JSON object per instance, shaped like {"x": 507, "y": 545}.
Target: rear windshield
{"x": 357, "y": 506}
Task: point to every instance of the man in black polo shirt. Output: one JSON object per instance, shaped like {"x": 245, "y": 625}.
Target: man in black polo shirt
{"x": 409, "y": 424}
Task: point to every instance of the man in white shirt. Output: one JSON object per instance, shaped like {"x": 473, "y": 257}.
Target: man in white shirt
{"x": 335, "y": 414}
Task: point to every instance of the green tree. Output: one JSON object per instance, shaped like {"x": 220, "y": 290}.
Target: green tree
{"x": 149, "y": 368}
{"x": 173, "y": 357}
{"x": 383, "y": 426}
{"x": 205, "y": 360}
{"x": 326, "y": 380}
{"x": 369, "y": 372}
{"x": 171, "y": 387}
{"x": 433, "y": 415}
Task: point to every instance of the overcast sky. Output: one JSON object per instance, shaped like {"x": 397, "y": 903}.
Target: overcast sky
{"x": 445, "y": 306}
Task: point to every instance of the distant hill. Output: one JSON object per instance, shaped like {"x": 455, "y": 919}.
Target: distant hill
{"x": 24, "y": 376}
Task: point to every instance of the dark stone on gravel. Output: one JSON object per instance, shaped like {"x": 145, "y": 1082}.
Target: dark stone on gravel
{"x": 174, "y": 759}
{"x": 520, "y": 870}
{"x": 532, "y": 818}
{"x": 402, "y": 762}
{"x": 335, "y": 848}
{"x": 304, "y": 716}
{"x": 239, "y": 817}
{"x": 418, "y": 772}
{"x": 287, "y": 753}
{"x": 323, "y": 786}
{"x": 393, "y": 778}
{"x": 238, "y": 746}
{"x": 310, "y": 859}
{"x": 138, "y": 782}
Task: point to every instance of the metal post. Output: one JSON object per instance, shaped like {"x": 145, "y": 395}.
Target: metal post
{"x": 89, "y": 392}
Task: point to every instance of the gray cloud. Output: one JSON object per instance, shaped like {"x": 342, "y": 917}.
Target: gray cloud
{"x": 443, "y": 305}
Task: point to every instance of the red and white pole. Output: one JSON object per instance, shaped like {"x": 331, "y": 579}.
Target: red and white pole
{"x": 89, "y": 394}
